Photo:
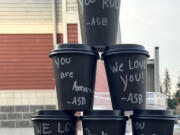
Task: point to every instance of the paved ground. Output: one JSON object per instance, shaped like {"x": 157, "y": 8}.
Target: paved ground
{"x": 19, "y": 131}
{"x": 177, "y": 132}
{"x": 23, "y": 131}
{"x": 16, "y": 131}
{"x": 30, "y": 131}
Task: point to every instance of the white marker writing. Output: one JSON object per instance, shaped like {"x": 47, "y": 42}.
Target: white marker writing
{"x": 83, "y": 3}
{"x": 46, "y": 130}
{"x": 88, "y": 2}
{"x": 78, "y": 101}
{"x": 123, "y": 98}
{"x": 137, "y": 64}
{"x": 97, "y": 21}
{"x": 66, "y": 128}
{"x": 56, "y": 61}
{"x": 38, "y": 128}
{"x": 103, "y": 133}
{"x": 88, "y": 132}
{"x": 65, "y": 61}
{"x": 117, "y": 67}
{"x": 111, "y": 4}
{"x": 126, "y": 79}
{"x": 62, "y": 61}
{"x": 78, "y": 88}
{"x": 64, "y": 75}
{"x": 135, "y": 98}
{"x": 140, "y": 125}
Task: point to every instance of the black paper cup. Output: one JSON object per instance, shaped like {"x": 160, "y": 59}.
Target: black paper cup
{"x": 53, "y": 122}
{"x": 74, "y": 71}
{"x": 103, "y": 122}
{"x": 126, "y": 67}
{"x": 153, "y": 122}
{"x": 99, "y": 21}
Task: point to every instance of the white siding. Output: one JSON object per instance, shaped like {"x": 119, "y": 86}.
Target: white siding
{"x": 71, "y": 5}
{"x": 59, "y": 10}
{"x": 35, "y": 16}
{"x": 28, "y": 11}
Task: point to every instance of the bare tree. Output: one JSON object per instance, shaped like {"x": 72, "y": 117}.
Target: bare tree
{"x": 167, "y": 84}
{"x": 178, "y": 88}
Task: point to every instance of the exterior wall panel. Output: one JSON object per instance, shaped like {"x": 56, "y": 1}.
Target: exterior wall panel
{"x": 71, "y": 5}
{"x": 150, "y": 78}
{"x": 24, "y": 62}
{"x": 101, "y": 79}
{"x": 28, "y": 11}
{"x": 60, "y": 38}
{"x": 72, "y": 32}
{"x": 59, "y": 11}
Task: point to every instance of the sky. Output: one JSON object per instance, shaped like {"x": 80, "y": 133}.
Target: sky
{"x": 154, "y": 23}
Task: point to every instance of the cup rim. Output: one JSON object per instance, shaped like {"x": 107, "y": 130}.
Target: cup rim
{"x": 150, "y": 112}
{"x": 153, "y": 114}
{"x": 104, "y": 118}
{"x": 75, "y": 49}
{"x": 53, "y": 114}
{"x": 125, "y": 49}
{"x": 48, "y": 118}
{"x": 103, "y": 115}
{"x": 151, "y": 118}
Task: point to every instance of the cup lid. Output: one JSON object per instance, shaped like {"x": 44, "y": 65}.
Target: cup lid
{"x": 98, "y": 113}
{"x": 125, "y": 48}
{"x": 103, "y": 115}
{"x": 74, "y": 48}
{"x": 153, "y": 113}
{"x": 53, "y": 114}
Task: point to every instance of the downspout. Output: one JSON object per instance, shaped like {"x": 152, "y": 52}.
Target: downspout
{"x": 54, "y": 20}
{"x": 119, "y": 41}
{"x": 64, "y": 21}
{"x": 157, "y": 79}
{"x": 79, "y": 30}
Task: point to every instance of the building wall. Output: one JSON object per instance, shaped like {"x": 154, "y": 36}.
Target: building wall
{"x": 26, "y": 38}
{"x": 101, "y": 79}
{"x": 28, "y": 16}
{"x": 71, "y": 6}
{"x": 19, "y": 116}
{"x": 24, "y": 62}
{"x": 26, "y": 11}
{"x": 150, "y": 76}
{"x": 72, "y": 33}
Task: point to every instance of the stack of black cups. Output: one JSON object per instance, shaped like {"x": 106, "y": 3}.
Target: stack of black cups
{"x": 75, "y": 72}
